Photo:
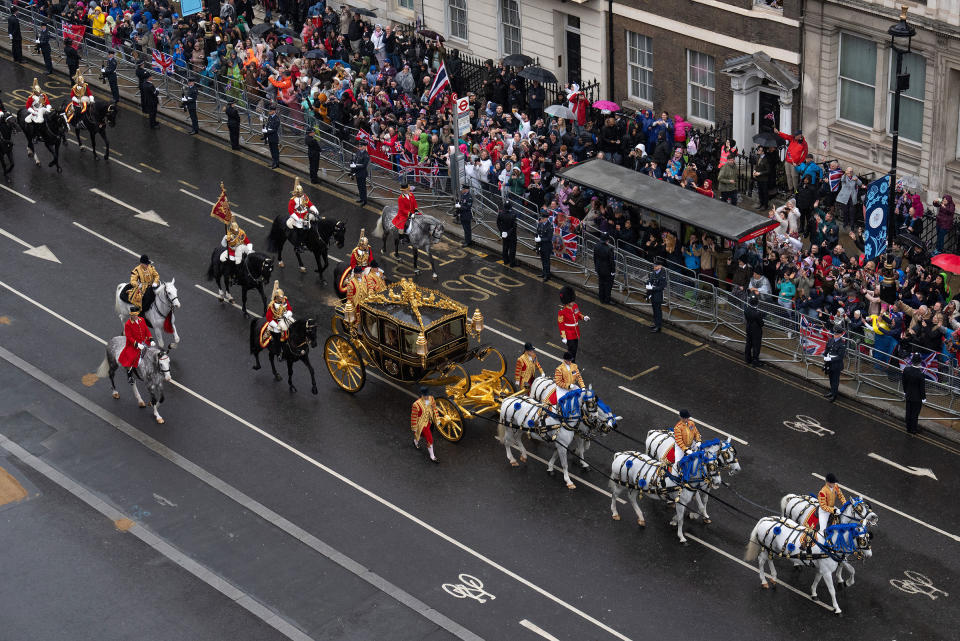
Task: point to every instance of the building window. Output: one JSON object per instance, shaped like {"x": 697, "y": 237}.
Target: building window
{"x": 701, "y": 86}
{"x": 640, "y": 66}
{"x": 857, "y": 73}
{"x": 911, "y": 100}
{"x": 405, "y": 4}
{"x": 510, "y": 26}
{"x": 457, "y": 10}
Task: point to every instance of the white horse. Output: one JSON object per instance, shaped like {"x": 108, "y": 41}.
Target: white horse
{"x": 520, "y": 414}
{"x": 596, "y": 417}
{"x": 642, "y": 475}
{"x": 160, "y": 313}
{"x": 660, "y": 442}
{"x": 154, "y": 369}
{"x": 781, "y": 537}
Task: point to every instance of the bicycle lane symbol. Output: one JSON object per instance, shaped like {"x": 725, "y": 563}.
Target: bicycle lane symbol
{"x": 916, "y": 583}
{"x": 808, "y": 424}
{"x": 470, "y": 587}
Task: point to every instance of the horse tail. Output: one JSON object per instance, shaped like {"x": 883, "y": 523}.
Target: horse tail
{"x": 378, "y": 230}
{"x": 254, "y": 337}
{"x": 104, "y": 369}
{"x": 212, "y": 270}
{"x": 277, "y": 235}
{"x": 753, "y": 547}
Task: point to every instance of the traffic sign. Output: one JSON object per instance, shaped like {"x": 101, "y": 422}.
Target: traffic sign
{"x": 463, "y": 116}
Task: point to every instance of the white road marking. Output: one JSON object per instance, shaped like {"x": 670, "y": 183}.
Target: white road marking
{"x": 17, "y": 193}
{"x": 211, "y": 203}
{"x": 670, "y": 409}
{"x": 216, "y": 295}
{"x": 538, "y": 630}
{"x": 107, "y": 240}
{"x": 148, "y": 215}
{"x": 40, "y": 251}
{"x": 111, "y": 159}
{"x": 894, "y": 510}
{"x": 356, "y": 486}
{"x": 909, "y": 469}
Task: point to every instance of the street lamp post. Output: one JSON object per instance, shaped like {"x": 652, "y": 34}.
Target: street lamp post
{"x": 901, "y": 34}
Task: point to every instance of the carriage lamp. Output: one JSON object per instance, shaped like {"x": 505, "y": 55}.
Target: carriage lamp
{"x": 421, "y": 347}
{"x": 349, "y": 314}
{"x": 476, "y": 322}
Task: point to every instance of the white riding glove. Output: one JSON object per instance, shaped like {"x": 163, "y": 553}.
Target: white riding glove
{"x": 563, "y": 340}
{"x": 586, "y": 318}
{"x": 504, "y": 235}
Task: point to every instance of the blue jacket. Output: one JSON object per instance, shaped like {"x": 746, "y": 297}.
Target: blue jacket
{"x": 812, "y": 169}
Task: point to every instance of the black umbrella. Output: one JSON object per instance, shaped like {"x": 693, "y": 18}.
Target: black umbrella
{"x": 768, "y": 139}
{"x": 907, "y": 239}
{"x": 517, "y": 60}
{"x": 316, "y": 54}
{"x": 260, "y": 29}
{"x": 286, "y": 50}
{"x": 430, "y": 34}
{"x": 364, "y": 12}
{"x": 537, "y": 73}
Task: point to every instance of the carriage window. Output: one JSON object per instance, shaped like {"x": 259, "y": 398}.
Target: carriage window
{"x": 371, "y": 326}
{"x": 410, "y": 341}
{"x": 444, "y": 334}
{"x": 391, "y": 335}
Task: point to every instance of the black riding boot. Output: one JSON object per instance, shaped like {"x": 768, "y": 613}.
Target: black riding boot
{"x": 130, "y": 376}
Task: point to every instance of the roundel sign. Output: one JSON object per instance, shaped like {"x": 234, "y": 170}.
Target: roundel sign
{"x": 463, "y": 105}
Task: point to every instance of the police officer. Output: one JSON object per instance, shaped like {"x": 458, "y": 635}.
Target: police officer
{"x": 833, "y": 355}
{"x": 358, "y": 168}
{"x": 142, "y": 74}
{"x": 753, "y": 319}
{"x": 605, "y": 265}
{"x": 271, "y": 133}
{"x": 464, "y": 208}
{"x": 16, "y": 38}
{"x": 313, "y": 154}
{"x": 233, "y": 122}
{"x": 507, "y": 226}
{"x": 43, "y": 43}
{"x": 189, "y": 101}
{"x": 150, "y": 96}
{"x": 71, "y": 52}
{"x": 109, "y": 72}
{"x": 544, "y": 244}
{"x": 655, "y": 286}
{"x": 914, "y": 392}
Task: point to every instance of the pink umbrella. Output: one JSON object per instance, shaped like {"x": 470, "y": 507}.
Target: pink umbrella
{"x": 606, "y": 105}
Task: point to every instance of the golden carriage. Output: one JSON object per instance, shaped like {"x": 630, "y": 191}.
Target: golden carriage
{"x": 412, "y": 334}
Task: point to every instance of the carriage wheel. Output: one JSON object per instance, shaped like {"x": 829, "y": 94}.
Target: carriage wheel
{"x": 344, "y": 364}
{"x": 449, "y": 419}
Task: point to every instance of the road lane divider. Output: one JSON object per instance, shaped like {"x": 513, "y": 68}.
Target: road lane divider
{"x": 111, "y": 158}
{"x": 17, "y": 193}
{"x": 106, "y": 240}
{"x": 453, "y": 541}
{"x": 211, "y": 203}
{"x": 234, "y": 303}
{"x": 894, "y": 510}
{"x": 148, "y": 215}
{"x": 184, "y": 182}
{"x": 700, "y": 422}
{"x": 143, "y": 164}
{"x": 533, "y": 627}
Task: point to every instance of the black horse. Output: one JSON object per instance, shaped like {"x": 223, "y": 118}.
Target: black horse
{"x": 51, "y": 132}
{"x": 316, "y": 239}
{"x": 95, "y": 120}
{"x": 254, "y": 271}
{"x": 6, "y": 142}
{"x": 302, "y": 336}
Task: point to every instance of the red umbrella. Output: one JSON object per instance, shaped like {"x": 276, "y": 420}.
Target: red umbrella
{"x": 947, "y": 262}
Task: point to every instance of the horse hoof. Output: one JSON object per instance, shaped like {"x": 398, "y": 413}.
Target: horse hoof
{"x": 313, "y": 390}
{"x": 116, "y": 394}
{"x": 773, "y": 584}
{"x": 293, "y": 390}
{"x": 707, "y": 521}
{"x": 277, "y": 378}
{"x": 684, "y": 542}
{"x": 435, "y": 276}
{"x": 141, "y": 404}
{"x": 641, "y": 523}
{"x": 255, "y": 367}
{"x": 616, "y": 517}
{"x": 848, "y": 583}
{"x": 59, "y": 169}
{"x": 280, "y": 264}
{"x": 764, "y": 586}
{"x": 571, "y": 486}
{"x": 303, "y": 270}
{"x": 514, "y": 464}
{"x": 523, "y": 459}
{"x": 159, "y": 420}
{"x": 838, "y": 612}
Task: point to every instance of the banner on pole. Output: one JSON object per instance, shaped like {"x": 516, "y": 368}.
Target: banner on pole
{"x": 876, "y": 210}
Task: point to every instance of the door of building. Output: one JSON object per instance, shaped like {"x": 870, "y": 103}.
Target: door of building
{"x": 769, "y": 110}
{"x": 573, "y": 49}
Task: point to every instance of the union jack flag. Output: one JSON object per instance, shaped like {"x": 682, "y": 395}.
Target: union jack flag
{"x": 565, "y": 245}
{"x": 930, "y": 366}
{"x": 813, "y": 340}
{"x": 834, "y": 177}
{"x": 162, "y": 62}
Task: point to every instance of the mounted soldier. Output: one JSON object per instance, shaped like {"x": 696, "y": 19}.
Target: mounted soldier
{"x": 527, "y": 368}
{"x": 237, "y": 245}
{"x": 38, "y": 105}
{"x": 81, "y": 97}
{"x": 406, "y": 209}
{"x": 279, "y": 318}
{"x": 143, "y": 280}
{"x": 301, "y": 212}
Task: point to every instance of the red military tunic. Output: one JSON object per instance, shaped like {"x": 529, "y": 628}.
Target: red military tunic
{"x": 568, "y": 321}
{"x": 361, "y": 257}
{"x": 304, "y": 208}
{"x": 76, "y": 97}
{"x": 270, "y": 316}
{"x": 526, "y": 370}
{"x": 406, "y": 205}
{"x": 136, "y": 331}
{"x": 34, "y": 99}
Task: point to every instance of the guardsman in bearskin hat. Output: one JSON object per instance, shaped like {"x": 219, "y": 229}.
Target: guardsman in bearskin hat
{"x": 302, "y": 213}
{"x": 138, "y": 336}
{"x": 528, "y": 368}
{"x": 568, "y": 321}
{"x": 362, "y": 254}
{"x": 37, "y": 104}
{"x": 686, "y": 438}
{"x": 81, "y": 97}
{"x": 144, "y": 279}
{"x": 423, "y": 416}
{"x": 237, "y": 245}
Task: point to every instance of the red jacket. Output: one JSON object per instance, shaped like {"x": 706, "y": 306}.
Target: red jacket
{"x": 796, "y": 151}
{"x": 136, "y": 331}
{"x": 568, "y": 321}
{"x": 406, "y": 205}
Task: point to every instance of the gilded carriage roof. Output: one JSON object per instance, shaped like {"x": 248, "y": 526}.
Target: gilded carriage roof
{"x": 413, "y": 306}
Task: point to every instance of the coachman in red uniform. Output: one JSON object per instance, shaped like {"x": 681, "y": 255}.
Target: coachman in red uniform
{"x": 406, "y": 207}
{"x": 138, "y": 336}
{"x": 568, "y": 321}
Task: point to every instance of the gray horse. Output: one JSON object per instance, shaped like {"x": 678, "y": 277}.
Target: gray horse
{"x": 425, "y": 232}
{"x": 154, "y": 369}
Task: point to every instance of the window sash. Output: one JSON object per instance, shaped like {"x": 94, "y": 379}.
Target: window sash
{"x": 858, "y": 59}
{"x": 458, "y": 18}
{"x": 640, "y": 66}
{"x": 701, "y": 85}
{"x": 911, "y": 117}
{"x": 510, "y": 26}
{"x": 405, "y": 4}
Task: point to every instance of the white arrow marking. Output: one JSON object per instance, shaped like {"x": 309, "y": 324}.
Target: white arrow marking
{"x": 40, "y": 251}
{"x": 148, "y": 215}
{"x": 909, "y": 469}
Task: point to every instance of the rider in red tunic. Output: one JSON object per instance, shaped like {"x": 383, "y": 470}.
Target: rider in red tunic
{"x": 37, "y": 104}
{"x": 362, "y": 254}
{"x": 81, "y": 96}
{"x": 406, "y": 207}
{"x": 138, "y": 336}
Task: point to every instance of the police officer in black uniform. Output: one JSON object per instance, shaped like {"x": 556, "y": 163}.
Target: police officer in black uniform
{"x": 43, "y": 43}
{"x": 655, "y": 286}
{"x": 605, "y": 265}
{"x": 833, "y": 355}
{"x": 914, "y": 392}
{"x": 16, "y": 38}
{"x": 753, "y": 319}
{"x": 544, "y": 244}
{"x": 142, "y": 74}
{"x": 507, "y": 226}
{"x": 271, "y": 133}
{"x": 109, "y": 72}
{"x": 358, "y": 169}
{"x": 150, "y": 96}
{"x": 233, "y": 122}
{"x": 189, "y": 101}
{"x": 464, "y": 207}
